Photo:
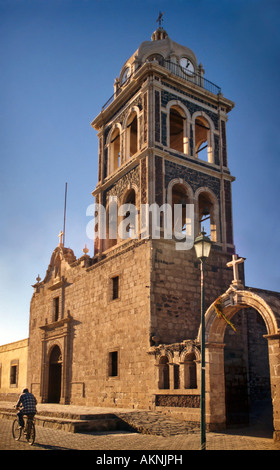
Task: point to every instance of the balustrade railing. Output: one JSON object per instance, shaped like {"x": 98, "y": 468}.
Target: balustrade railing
{"x": 192, "y": 77}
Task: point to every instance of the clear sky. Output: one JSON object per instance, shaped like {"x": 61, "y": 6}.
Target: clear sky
{"x": 59, "y": 59}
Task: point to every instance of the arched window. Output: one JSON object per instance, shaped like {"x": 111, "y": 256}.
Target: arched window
{"x": 125, "y": 76}
{"x": 176, "y": 129}
{"x": 203, "y": 141}
{"x": 156, "y": 57}
{"x": 190, "y": 379}
{"x": 163, "y": 373}
{"x": 132, "y": 134}
{"x": 208, "y": 215}
{"x": 115, "y": 150}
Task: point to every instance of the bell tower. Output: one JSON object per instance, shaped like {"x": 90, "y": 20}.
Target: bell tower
{"x": 162, "y": 139}
{"x": 123, "y": 327}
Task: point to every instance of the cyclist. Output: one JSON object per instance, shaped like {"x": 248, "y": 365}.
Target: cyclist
{"x": 28, "y": 403}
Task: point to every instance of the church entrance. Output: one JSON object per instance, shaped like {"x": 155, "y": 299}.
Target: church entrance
{"x": 243, "y": 366}
{"x": 247, "y": 375}
{"x": 55, "y": 370}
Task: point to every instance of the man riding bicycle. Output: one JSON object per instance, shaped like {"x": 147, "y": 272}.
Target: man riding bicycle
{"x": 28, "y": 403}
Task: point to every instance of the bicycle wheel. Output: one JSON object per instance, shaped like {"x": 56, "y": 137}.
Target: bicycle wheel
{"x": 30, "y": 435}
{"x": 16, "y": 430}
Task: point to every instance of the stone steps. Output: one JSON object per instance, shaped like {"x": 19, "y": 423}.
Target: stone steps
{"x": 72, "y": 422}
{"x": 145, "y": 422}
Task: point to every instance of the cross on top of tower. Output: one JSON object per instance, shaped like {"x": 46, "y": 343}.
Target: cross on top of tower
{"x": 160, "y": 19}
{"x": 160, "y": 33}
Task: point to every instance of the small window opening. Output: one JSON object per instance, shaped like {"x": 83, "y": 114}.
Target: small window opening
{"x": 176, "y": 130}
{"x": 115, "y": 287}
{"x": 13, "y": 375}
{"x": 113, "y": 364}
{"x": 56, "y": 308}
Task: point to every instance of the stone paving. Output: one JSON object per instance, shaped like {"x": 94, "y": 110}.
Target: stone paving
{"x": 52, "y": 439}
{"x": 156, "y": 432}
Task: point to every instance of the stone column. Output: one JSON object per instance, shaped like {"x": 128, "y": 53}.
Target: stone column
{"x": 44, "y": 371}
{"x": 274, "y": 365}
{"x": 171, "y": 376}
{"x": 215, "y": 386}
{"x": 182, "y": 375}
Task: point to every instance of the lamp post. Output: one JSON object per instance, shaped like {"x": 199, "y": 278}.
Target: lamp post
{"x": 202, "y": 246}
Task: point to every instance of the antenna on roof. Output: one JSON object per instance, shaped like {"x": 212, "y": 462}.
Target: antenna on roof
{"x": 64, "y": 214}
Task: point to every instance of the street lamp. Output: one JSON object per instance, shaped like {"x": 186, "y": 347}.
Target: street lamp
{"x": 202, "y": 245}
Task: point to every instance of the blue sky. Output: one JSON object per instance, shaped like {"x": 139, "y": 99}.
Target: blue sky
{"x": 59, "y": 59}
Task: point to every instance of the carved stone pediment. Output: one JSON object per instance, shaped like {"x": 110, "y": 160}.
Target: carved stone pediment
{"x": 61, "y": 258}
{"x": 56, "y": 329}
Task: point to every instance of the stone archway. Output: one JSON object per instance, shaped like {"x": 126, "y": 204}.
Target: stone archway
{"x": 267, "y": 304}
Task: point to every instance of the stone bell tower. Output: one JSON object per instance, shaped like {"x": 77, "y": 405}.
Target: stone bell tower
{"x": 164, "y": 131}
{"x": 162, "y": 139}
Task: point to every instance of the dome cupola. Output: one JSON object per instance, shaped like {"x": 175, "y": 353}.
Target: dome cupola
{"x": 162, "y": 49}
{"x": 159, "y": 34}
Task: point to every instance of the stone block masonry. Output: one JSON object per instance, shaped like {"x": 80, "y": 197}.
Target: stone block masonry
{"x": 175, "y": 292}
{"x": 93, "y": 328}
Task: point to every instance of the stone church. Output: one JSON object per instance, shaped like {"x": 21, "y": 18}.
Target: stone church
{"x": 122, "y": 328}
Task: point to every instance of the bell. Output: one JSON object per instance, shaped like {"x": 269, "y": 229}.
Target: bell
{"x": 205, "y": 211}
{"x": 183, "y": 201}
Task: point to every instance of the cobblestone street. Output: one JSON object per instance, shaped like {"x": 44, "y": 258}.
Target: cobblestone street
{"x": 52, "y": 439}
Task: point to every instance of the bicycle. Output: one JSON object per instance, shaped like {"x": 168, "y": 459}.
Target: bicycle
{"x": 28, "y": 430}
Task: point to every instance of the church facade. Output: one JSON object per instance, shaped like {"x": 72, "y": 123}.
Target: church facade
{"x": 122, "y": 328}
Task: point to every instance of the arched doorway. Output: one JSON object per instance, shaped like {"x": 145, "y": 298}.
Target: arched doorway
{"x": 247, "y": 375}
{"x": 266, "y": 306}
{"x": 55, "y": 370}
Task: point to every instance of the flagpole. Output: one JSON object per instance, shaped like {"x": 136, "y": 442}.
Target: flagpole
{"x": 64, "y": 221}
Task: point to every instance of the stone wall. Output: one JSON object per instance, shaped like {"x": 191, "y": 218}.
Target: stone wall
{"x": 175, "y": 289}
{"x": 13, "y": 369}
{"x": 159, "y": 296}
{"x": 92, "y": 326}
